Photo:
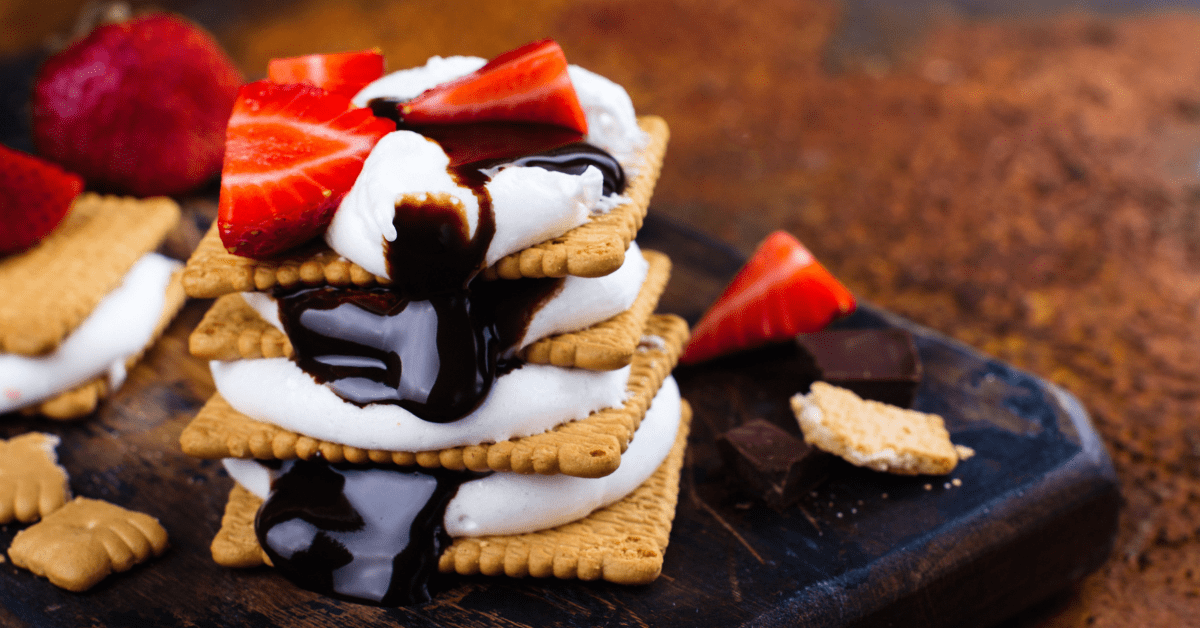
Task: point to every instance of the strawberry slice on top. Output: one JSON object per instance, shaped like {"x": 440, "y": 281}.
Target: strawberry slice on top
{"x": 35, "y": 195}
{"x": 292, "y": 152}
{"x": 341, "y": 73}
{"x": 528, "y": 84}
{"x": 780, "y": 292}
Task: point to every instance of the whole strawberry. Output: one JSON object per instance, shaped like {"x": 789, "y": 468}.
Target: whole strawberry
{"x": 137, "y": 107}
{"x": 35, "y": 195}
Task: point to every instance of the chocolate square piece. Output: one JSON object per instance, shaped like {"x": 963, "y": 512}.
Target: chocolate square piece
{"x": 877, "y": 364}
{"x": 773, "y": 464}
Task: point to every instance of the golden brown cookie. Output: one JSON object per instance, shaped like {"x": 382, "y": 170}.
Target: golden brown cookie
{"x": 233, "y": 330}
{"x": 235, "y": 544}
{"x": 32, "y": 485}
{"x": 50, "y": 289}
{"x": 590, "y": 447}
{"x": 79, "y": 544}
{"x": 875, "y": 435}
{"x": 597, "y": 247}
{"x": 611, "y": 344}
{"x": 590, "y": 250}
{"x": 83, "y": 399}
{"x": 622, "y": 543}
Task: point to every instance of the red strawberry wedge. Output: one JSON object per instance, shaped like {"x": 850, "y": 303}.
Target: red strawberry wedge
{"x": 291, "y": 153}
{"x": 529, "y": 84}
{"x": 342, "y": 73}
{"x": 35, "y": 195}
{"x": 782, "y": 291}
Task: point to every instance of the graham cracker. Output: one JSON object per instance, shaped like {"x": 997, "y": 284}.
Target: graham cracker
{"x": 593, "y": 249}
{"x": 80, "y": 544}
{"x": 590, "y": 447}
{"x": 597, "y": 247}
{"x": 610, "y": 344}
{"x": 233, "y": 330}
{"x": 622, "y": 543}
{"x": 83, "y": 399}
{"x": 50, "y": 289}
{"x": 875, "y": 435}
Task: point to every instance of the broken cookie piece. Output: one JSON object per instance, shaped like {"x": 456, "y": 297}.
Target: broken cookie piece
{"x": 873, "y": 434}
{"x": 32, "y": 485}
{"x": 78, "y": 545}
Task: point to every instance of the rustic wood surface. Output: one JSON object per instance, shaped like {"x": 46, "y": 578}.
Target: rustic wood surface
{"x": 1030, "y": 514}
{"x": 1025, "y": 186}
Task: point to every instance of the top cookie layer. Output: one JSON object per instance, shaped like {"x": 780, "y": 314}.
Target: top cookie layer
{"x": 50, "y": 289}
{"x": 593, "y": 249}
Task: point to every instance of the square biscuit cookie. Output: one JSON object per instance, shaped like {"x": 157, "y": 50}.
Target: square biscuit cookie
{"x": 83, "y": 399}
{"x": 80, "y": 544}
{"x": 233, "y": 330}
{"x": 593, "y": 249}
{"x": 590, "y": 447}
{"x": 622, "y": 543}
{"x": 50, "y": 289}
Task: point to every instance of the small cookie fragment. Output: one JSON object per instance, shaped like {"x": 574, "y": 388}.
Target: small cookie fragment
{"x": 79, "y": 544}
{"x": 32, "y": 485}
{"x": 873, "y": 434}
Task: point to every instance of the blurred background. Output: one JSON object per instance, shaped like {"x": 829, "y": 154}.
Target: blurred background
{"x": 1022, "y": 176}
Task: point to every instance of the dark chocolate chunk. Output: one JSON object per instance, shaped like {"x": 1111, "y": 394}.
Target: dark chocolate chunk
{"x": 879, "y": 364}
{"x": 775, "y": 465}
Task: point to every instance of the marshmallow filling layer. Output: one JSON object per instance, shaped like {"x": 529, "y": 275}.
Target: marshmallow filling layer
{"x": 121, "y": 326}
{"x": 510, "y": 503}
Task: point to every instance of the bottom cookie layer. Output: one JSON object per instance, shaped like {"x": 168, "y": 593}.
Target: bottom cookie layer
{"x": 622, "y": 543}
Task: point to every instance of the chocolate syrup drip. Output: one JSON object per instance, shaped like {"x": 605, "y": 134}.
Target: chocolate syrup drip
{"x": 436, "y": 357}
{"x": 574, "y": 159}
{"x": 490, "y": 144}
{"x": 429, "y": 343}
{"x": 369, "y": 534}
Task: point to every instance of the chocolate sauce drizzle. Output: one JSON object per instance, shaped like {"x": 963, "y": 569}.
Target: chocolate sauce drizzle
{"x": 491, "y": 144}
{"x": 363, "y": 533}
{"x": 436, "y": 357}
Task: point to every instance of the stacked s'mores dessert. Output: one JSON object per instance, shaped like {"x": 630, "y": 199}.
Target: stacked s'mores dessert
{"x": 447, "y": 360}
{"x": 83, "y": 292}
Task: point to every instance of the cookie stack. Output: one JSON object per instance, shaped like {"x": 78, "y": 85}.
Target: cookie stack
{"x": 82, "y": 305}
{"x": 579, "y": 482}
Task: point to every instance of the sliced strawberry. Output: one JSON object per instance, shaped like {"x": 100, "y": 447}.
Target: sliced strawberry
{"x": 529, "y": 84}
{"x": 782, "y": 291}
{"x": 342, "y": 73}
{"x": 35, "y": 195}
{"x": 291, "y": 153}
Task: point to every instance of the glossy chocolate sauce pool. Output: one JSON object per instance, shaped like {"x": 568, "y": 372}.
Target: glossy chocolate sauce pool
{"x": 432, "y": 342}
{"x": 436, "y": 357}
{"x": 363, "y": 533}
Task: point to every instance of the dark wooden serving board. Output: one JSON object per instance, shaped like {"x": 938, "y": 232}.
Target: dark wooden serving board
{"x": 1036, "y": 509}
